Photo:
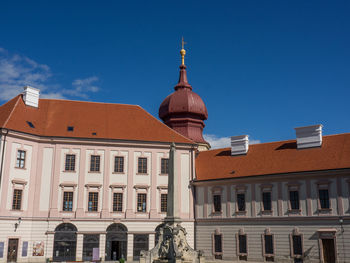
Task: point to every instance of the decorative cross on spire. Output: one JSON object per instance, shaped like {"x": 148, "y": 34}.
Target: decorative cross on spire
{"x": 183, "y": 43}
{"x": 183, "y": 51}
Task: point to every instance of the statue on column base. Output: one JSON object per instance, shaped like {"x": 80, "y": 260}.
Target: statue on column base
{"x": 172, "y": 247}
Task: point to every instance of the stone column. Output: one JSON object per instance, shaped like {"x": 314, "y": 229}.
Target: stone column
{"x": 173, "y": 209}
{"x": 79, "y": 251}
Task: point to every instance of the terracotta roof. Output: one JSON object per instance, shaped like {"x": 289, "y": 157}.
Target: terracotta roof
{"x": 108, "y": 121}
{"x": 274, "y": 158}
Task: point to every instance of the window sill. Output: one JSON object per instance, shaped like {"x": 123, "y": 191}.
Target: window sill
{"x": 20, "y": 168}
{"x": 94, "y": 172}
{"x": 17, "y": 210}
{"x": 69, "y": 171}
{"x": 63, "y": 211}
{"x": 141, "y": 173}
{"x": 294, "y": 211}
{"x": 161, "y": 174}
{"x": 93, "y": 212}
{"x": 241, "y": 212}
{"x": 118, "y": 172}
{"x": 325, "y": 210}
{"x": 141, "y": 213}
{"x": 267, "y": 212}
{"x": 118, "y": 212}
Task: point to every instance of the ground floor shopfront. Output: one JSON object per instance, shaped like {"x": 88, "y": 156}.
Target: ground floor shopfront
{"x": 69, "y": 240}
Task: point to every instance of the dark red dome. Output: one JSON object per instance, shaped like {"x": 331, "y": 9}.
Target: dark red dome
{"x": 184, "y": 110}
{"x": 183, "y": 101}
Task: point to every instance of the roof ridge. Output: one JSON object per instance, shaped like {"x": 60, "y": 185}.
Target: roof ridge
{"x": 81, "y": 101}
{"x": 12, "y": 110}
{"x": 290, "y": 140}
{"x": 166, "y": 125}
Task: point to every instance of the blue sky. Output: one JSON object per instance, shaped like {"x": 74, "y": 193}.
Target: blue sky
{"x": 261, "y": 67}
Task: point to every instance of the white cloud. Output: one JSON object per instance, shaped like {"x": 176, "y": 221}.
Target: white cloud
{"x": 222, "y": 142}
{"x": 17, "y": 71}
{"x": 82, "y": 86}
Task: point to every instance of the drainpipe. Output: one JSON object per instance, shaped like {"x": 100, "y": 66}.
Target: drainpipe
{"x": 3, "y": 154}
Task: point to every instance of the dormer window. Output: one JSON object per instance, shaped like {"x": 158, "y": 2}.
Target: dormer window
{"x": 30, "y": 124}
{"x": 70, "y": 128}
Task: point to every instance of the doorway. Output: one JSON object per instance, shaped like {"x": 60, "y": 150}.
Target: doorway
{"x": 12, "y": 250}
{"x": 328, "y": 250}
{"x": 116, "y": 242}
{"x": 65, "y": 242}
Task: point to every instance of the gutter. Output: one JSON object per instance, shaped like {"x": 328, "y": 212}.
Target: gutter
{"x": 3, "y": 154}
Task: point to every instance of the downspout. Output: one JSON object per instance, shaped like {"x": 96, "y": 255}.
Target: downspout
{"x": 2, "y": 155}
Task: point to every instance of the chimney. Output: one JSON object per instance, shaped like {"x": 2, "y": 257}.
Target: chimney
{"x": 31, "y": 96}
{"x": 239, "y": 144}
{"x": 309, "y": 136}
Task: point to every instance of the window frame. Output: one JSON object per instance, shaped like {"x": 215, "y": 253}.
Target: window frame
{"x": 216, "y": 191}
{"x": 268, "y": 255}
{"x": 162, "y": 171}
{"x": 142, "y": 168}
{"x": 20, "y": 199}
{"x": 137, "y": 202}
{"x": 63, "y": 201}
{"x": 97, "y": 202}
{"x": 296, "y": 232}
{"x": 217, "y": 204}
{"x": 217, "y": 255}
{"x": 118, "y": 188}
{"x": 18, "y": 166}
{"x": 115, "y": 205}
{"x": 161, "y": 202}
{"x": 91, "y": 163}
{"x": 18, "y": 184}
{"x": 266, "y": 188}
{"x": 241, "y": 233}
{"x": 324, "y": 185}
{"x": 293, "y": 186}
{"x": 65, "y": 164}
{"x": 123, "y": 164}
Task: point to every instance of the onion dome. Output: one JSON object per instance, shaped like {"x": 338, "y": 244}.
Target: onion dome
{"x": 184, "y": 110}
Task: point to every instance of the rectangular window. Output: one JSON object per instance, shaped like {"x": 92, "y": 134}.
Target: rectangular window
{"x": 67, "y": 201}
{"x": 93, "y": 201}
{"x": 21, "y": 158}
{"x": 95, "y": 163}
{"x": 324, "y": 198}
{"x": 218, "y": 246}
{"x": 241, "y": 202}
{"x": 141, "y": 202}
{"x": 294, "y": 200}
{"x": 140, "y": 243}
{"x": 70, "y": 162}
{"x": 268, "y": 244}
{"x": 164, "y": 166}
{"x": 242, "y": 240}
{"x": 267, "y": 201}
{"x": 297, "y": 245}
{"x": 217, "y": 203}
{"x": 163, "y": 202}
{"x": 142, "y": 165}
{"x": 117, "y": 202}
{"x": 119, "y": 164}
{"x": 17, "y": 199}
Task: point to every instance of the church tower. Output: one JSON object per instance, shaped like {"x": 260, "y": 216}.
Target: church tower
{"x": 184, "y": 110}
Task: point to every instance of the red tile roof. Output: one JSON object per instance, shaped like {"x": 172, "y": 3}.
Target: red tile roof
{"x": 108, "y": 121}
{"x": 274, "y": 158}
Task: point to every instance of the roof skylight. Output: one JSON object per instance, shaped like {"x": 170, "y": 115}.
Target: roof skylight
{"x": 31, "y": 125}
{"x": 70, "y": 128}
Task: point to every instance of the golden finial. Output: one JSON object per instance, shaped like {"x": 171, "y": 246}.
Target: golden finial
{"x": 183, "y": 51}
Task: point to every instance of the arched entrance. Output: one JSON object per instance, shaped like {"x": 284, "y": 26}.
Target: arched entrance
{"x": 65, "y": 242}
{"x": 116, "y": 242}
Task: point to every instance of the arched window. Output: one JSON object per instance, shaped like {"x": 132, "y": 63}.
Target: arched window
{"x": 65, "y": 242}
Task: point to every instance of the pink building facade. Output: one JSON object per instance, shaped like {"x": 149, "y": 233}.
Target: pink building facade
{"x": 72, "y": 198}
